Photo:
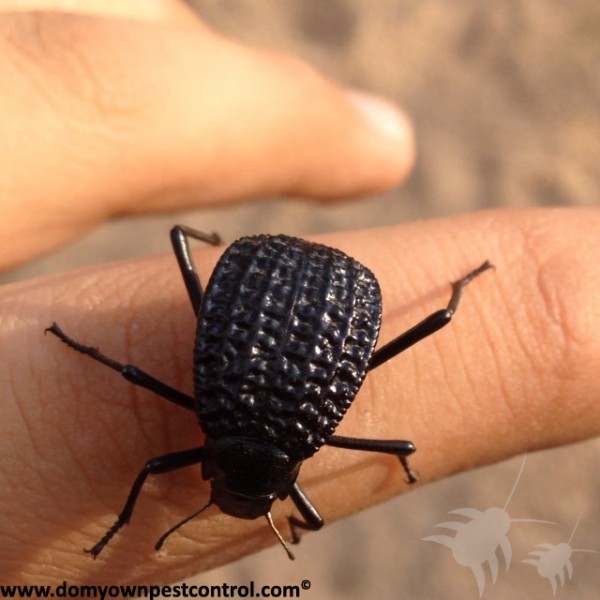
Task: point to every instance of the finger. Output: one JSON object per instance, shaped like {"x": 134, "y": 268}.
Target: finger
{"x": 515, "y": 371}
{"x": 158, "y": 11}
{"x": 110, "y": 117}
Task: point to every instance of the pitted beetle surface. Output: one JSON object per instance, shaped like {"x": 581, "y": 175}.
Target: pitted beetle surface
{"x": 285, "y": 335}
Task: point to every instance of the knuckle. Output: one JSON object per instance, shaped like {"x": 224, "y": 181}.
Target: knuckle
{"x": 559, "y": 331}
{"x": 565, "y": 297}
{"x": 567, "y": 300}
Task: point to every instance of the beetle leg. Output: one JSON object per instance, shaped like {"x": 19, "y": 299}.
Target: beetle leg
{"x": 181, "y": 247}
{"x": 160, "y": 464}
{"x": 311, "y": 519}
{"x": 427, "y": 326}
{"x": 399, "y": 448}
{"x": 129, "y": 372}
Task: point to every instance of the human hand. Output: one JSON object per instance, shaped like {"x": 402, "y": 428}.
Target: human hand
{"x": 515, "y": 371}
{"x": 135, "y": 107}
{"x": 75, "y": 435}
{"x": 152, "y": 111}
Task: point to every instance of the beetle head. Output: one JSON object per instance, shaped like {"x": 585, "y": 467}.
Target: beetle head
{"x": 247, "y": 475}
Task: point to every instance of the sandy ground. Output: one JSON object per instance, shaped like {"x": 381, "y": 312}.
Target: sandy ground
{"x": 505, "y": 99}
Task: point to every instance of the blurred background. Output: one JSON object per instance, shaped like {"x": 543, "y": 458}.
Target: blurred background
{"x": 505, "y": 99}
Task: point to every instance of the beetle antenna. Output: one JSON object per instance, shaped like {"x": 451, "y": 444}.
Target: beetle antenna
{"x": 279, "y": 537}
{"x": 164, "y": 536}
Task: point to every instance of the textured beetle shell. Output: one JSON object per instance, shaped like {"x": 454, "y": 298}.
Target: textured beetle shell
{"x": 285, "y": 334}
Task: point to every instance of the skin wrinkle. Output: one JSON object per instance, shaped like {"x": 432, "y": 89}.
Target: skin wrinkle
{"x": 81, "y": 465}
{"x": 505, "y": 413}
{"x": 139, "y": 395}
{"x": 538, "y": 359}
{"x": 147, "y": 416}
{"x": 168, "y": 434}
{"x": 500, "y": 383}
{"x": 44, "y": 106}
{"x": 112, "y": 107}
{"x": 406, "y": 288}
{"x": 86, "y": 466}
{"x": 559, "y": 314}
{"x": 517, "y": 340}
{"x": 484, "y": 332}
{"x": 523, "y": 338}
{"x": 21, "y": 53}
{"x": 362, "y": 408}
{"x": 412, "y": 365}
{"x": 124, "y": 389}
{"x": 467, "y": 402}
{"x": 434, "y": 353}
{"x": 86, "y": 123}
{"x": 502, "y": 380}
{"x": 575, "y": 331}
{"x": 377, "y": 384}
{"x": 13, "y": 476}
{"x": 424, "y": 306}
{"x": 57, "y": 46}
{"x": 112, "y": 419}
{"x": 90, "y": 373}
{"x": 449, "y": 363}
{"x": 20, "y": 406}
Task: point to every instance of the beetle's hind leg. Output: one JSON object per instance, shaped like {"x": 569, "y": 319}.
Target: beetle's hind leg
{"x": 181, "y": 247}
{"x": 400, "y": 448}
{"x": 311, "y": 519}
{"x": 129, "y": 372}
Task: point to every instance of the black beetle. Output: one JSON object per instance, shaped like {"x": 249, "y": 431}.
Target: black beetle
{"x": 285, "y": 336}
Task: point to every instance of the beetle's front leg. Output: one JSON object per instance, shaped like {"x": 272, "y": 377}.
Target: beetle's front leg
{"x": 132, "y": 373}
{"x": 160, "y": 464}
{"x": 311, "y": 519}
{"x": 400, "y": 448}
{"x": 181, "y": 247}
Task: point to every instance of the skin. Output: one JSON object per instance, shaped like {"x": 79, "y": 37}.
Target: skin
{"x": 516, "y": 370}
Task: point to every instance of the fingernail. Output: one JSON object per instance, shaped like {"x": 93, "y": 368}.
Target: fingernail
{"x": 381, "y": 114}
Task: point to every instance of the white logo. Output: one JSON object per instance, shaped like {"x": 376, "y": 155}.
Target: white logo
{"x": 554, "y": 559}
{"x": 477, "y": 541}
